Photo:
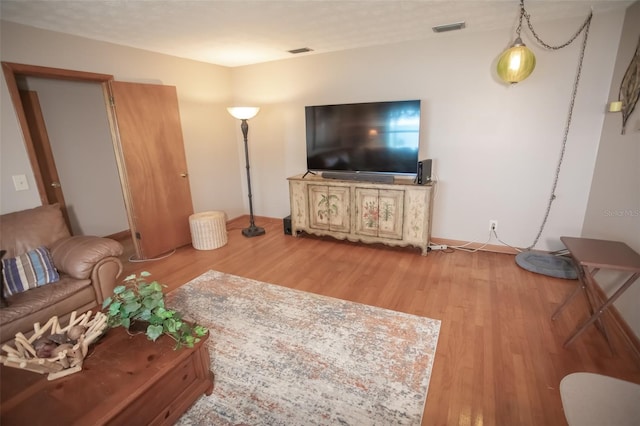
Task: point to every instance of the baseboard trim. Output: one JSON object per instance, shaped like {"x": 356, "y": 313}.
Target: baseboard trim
{"x": 495, "y": 248}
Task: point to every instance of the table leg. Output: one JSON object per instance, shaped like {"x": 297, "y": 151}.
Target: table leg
{"x": 594, "y": 302}
{"x": 581, "y": 286}
{"x": 599, "y": 311}
{"x": 566, "y": 301}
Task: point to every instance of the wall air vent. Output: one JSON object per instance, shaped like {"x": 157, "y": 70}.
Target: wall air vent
{"x": 300, "y": 50}
{"x": 449, "y": 27}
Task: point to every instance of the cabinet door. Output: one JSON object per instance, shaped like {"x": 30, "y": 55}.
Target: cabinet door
{"x": 367, "y": 208}
{"x": 379, "y": 212}
{"x": 329, "y": 208}
{"x": 418, "y": 212}
{"x": 299, "y": 205}
{"x": 390, "y": 210}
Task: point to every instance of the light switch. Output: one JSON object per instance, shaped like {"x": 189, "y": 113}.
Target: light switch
{"x": 20, "y": 182}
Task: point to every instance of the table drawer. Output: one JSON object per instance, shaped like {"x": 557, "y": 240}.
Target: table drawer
{"x": 159, "y": 396}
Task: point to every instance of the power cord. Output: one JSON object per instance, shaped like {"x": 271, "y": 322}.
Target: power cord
{"x": 132, "y": 260}
{"x": 495, "y": 233}
{"x": 492, "y": 233}
{"x": 464, "y": 248}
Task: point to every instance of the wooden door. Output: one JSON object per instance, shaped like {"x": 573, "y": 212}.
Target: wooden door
{"x": 152, "y": 166}
{"x": 42, "y": 147}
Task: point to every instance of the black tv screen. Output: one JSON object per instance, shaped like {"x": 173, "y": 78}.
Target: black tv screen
{"x": 378, "y": 137}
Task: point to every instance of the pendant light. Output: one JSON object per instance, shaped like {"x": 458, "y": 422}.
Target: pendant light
{"x": 517, "y": 62}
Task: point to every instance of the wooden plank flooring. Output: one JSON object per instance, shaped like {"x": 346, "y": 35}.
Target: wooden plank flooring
{"x": 499, "y": 359}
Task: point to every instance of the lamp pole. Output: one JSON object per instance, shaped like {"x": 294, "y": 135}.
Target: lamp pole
{"x": 252, "y": 230}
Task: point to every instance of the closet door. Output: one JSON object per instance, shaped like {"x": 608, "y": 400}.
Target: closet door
{"x": 152, "y": 166}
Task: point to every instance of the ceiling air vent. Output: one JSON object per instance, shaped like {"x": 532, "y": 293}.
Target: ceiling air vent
{"x": 300, "y": 50}
{"x": 448, "y": 27}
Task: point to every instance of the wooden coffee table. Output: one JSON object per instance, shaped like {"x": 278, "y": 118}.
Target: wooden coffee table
{"x": 125, "y": 380}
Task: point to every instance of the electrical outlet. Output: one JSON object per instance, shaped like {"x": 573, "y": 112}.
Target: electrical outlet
{"x": 438, "y": 247}
{"x": 493, "y": 225}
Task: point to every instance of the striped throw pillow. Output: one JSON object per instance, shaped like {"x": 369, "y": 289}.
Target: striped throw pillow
{"x": 30, "y": 270}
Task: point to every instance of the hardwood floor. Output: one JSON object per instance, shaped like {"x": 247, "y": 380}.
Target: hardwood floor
{"x": 499, "y": 359}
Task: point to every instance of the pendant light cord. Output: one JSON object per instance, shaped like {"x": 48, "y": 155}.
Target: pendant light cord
{"x": 585, "y": 28}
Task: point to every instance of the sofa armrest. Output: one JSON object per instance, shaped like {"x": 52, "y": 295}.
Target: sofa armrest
{"x": 84, "y": 257}
{"x": 104, "y": 276}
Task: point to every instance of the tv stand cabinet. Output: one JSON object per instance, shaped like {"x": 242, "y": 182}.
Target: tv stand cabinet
{"x": 395, "y": 214}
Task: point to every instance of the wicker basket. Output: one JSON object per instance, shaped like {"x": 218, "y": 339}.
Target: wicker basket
{"x": 68, "y": 359}
{"x": 208, "y": 230}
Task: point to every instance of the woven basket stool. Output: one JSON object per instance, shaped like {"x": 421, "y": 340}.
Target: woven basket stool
{"x": 208, "y": 230}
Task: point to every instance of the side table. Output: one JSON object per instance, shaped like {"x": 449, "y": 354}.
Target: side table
{"x": 589, "y": 256}
{"x": 125, "y": 380}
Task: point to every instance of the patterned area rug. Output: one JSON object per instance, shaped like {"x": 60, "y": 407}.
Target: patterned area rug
{"x": 287, "y": 357}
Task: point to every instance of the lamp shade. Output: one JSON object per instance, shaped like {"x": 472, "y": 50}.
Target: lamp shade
{"x": 243, "y": 113}
{"x": 516, "y": 63}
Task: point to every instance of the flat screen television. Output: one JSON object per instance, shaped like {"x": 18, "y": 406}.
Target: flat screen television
{"x": 373, "y": 137}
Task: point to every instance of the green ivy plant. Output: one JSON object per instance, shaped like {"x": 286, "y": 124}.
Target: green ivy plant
{"x": 141, "y": 301}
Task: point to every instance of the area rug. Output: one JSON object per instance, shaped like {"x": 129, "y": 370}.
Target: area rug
{"x": 287, "y": 357}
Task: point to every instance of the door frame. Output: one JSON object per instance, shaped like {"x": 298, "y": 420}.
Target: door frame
{"x": 42, "y": 146}
{"x": 13, "y": 70}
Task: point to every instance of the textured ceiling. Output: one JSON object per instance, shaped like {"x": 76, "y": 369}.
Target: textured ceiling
{"x": 238, "y": 32}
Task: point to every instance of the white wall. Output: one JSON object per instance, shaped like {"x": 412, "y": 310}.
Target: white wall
{"x": 204, "y": 90}
{"x": 613, "y": 211}
{"x": 495, "y": 148}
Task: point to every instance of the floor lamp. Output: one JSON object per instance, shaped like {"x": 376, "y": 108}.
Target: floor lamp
{"x": 244, "y": 114}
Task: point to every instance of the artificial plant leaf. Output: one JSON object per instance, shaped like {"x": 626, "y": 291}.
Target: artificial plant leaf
{"x": 145, "y": 315}
{"x": 163, "y": 313}
{"x": 156, "y": 286}
{"x": 154, "y": 319}
{"x": 200, "y": 330}
{"x": 154, "y": 331}
{"x": 128, "y": 295}
{"x": 189, "y": 341}
{"x": 171, "y": 325}
{"x": 114, "y": 308}
{"x": 148, "y": 290}
{"x": 130, "y": 307}
{"x": 150, "y": 302}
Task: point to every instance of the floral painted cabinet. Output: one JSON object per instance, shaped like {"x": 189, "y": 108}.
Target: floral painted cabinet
{"x": 379, "y": 212}
{"x": 329, "y": 207}
{"x": 396, "y": 214}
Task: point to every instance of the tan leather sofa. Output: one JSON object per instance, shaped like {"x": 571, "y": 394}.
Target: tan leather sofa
{"x": 88, "y": 268}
